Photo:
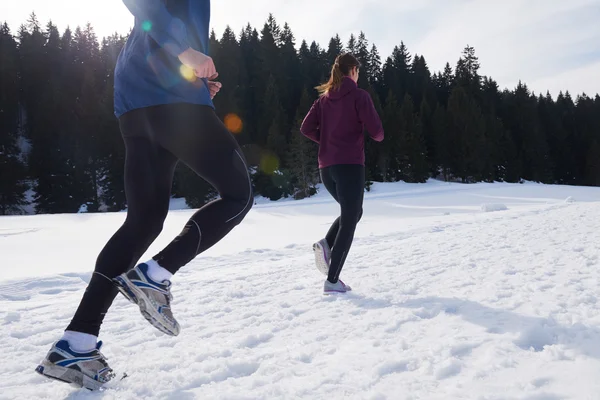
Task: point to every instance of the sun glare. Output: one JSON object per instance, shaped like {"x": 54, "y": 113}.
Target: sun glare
{"x": 234, "y": 123}
{"x": 187, "y": 73}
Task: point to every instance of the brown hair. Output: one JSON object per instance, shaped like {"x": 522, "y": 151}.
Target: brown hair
{"x": 341, "y": 68}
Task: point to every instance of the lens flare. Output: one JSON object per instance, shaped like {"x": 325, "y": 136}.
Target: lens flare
{"x": 146, "y": 26}
{"x": 234, "y": 123}
{"x": 187, "y": 73}
{"x": 269, "y": 163}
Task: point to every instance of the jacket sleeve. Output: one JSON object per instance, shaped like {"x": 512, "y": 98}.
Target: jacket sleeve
{"x": 310, "y": 125}
{"x": 369, "y": 117}
{"x": 170, "y": 33}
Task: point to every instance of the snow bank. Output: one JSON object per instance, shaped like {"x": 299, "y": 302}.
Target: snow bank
{"x": 493, "y": 207}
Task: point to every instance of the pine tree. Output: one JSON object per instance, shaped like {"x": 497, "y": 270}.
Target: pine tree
{"x": 596, "y": 112}
{"x": 413, "y": 153}
{"x": 89, "y": 162}
{"x": 586, "y": 133}
{"x": 291, "y": 77}
{"x": 522, "y": 120}
{"x": 467, "y": 72}
{"x": 363, "y": 55}
{"x": 592, "y": 171}
{"x": 272, "y": 79}
{"x": 444, "y": 85}
{"x": 273, "y": 28}
{"x": 277, "y": 136}
{"x": 270, "y": 181}
{"x": 272, "y": 112}
{"x": 302, "y": 155}
{"x": 251, "y": 92}
{"x": 335, "y": 49}
{"x": 12, "y": 176}
{"x": 397, "y": 71}
{"x": 41, "y": 120}
{"x": 442, "y": 142}
{"x": 560, "y": 147}
{"x": 467, "y": 137}
{"x": 374, "y": 71}
{"x": 321, "y": 68}
{"x": 421, "y": 87}
{"x": 491, "y": 99}
{"x": 112, "y": 190}
{"x": 304, "y": 61}
{"x": 374, "y": 151}
{"x": 426, "y": 122}
{"x": 389, "y": 162}
{"x": 351, "y": 47}
{"x": 512, "y": 169}
{"x": 12, "y": 168}
{"x": 33, "y": 76}
{"x": 497, "y": 160}
{"x": 228, "y": 57}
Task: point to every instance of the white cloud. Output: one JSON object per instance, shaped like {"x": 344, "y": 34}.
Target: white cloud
{"x": 576, "y": 81}
{"x": 532, "y": 41}
{"x": 549, "y": 44}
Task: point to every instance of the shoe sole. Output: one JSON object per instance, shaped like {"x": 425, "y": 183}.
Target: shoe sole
{"x": 136, "y": 296}
{"x": 321, "y": 259}
{"x": 67, "y": 375}
{"x": 333, "y": 292}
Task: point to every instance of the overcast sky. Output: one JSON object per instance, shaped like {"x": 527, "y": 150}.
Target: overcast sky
{"x": 549, "y": 44}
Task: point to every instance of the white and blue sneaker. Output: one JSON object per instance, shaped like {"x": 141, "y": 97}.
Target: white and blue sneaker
{"x": 322, "y": 256}
{"x": 153, "y": 298}
{"x": 82, "y": 370}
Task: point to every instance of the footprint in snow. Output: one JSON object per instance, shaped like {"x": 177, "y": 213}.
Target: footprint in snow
{"x": 253, "y": 341}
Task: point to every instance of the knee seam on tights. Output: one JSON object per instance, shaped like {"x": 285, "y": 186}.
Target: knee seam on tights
{"x": 199, "y": 236}
{"x": 102, "y": 275}
{"x": 249, "y": 203}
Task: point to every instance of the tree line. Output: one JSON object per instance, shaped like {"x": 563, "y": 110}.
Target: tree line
{"x": 61, "y": 149}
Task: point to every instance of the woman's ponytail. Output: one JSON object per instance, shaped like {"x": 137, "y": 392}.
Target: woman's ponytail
{"x": 341, "y": 68}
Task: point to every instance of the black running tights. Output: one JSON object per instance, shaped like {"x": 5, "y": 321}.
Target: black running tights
{"x": 156, "y": 138}
{"x": 346, "y": 183}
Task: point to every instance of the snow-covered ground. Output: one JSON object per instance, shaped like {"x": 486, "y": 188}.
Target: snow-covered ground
{"x": 486, "y": 291}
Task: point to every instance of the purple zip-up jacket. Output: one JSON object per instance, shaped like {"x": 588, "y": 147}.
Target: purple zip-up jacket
{"x": 337, "y": 120}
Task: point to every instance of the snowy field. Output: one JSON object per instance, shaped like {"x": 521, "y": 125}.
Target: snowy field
{"x": 487, "y": 291}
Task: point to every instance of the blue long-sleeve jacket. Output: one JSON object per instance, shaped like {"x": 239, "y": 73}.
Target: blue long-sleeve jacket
{"x": 148, "y": 71}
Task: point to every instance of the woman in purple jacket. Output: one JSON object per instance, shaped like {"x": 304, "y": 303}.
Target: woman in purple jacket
{"x": 336, "y": 121}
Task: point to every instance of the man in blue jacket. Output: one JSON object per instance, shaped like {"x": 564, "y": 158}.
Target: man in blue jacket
{"x": 164, "y": 86}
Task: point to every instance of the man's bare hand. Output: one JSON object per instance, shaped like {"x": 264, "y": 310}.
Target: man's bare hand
{"x": 213, "y": 86}
{"x": 203, "y": 65}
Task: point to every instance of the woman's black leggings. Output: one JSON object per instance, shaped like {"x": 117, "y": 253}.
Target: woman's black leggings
{"x": 346, "y": 183}
{"x": 156, "y": 138}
